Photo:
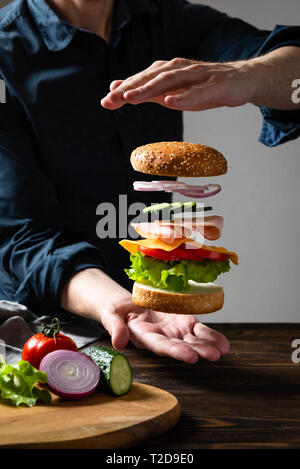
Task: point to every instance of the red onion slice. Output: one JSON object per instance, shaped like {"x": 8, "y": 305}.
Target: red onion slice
{"x": 170, "y": 184}
{"x": 177, "y": 186}
{"x": 71, "y": 375}
{"x": 191, "y": 191}
{"x": 211, "y": 189}
{"x": 146, "y": 186}
{"x": 157, "y": 185}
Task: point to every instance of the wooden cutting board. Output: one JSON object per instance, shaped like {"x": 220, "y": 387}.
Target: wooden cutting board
{"x": 98, "y": 421}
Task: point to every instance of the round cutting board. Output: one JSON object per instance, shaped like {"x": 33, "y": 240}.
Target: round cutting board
{"x": 98, "y": 421}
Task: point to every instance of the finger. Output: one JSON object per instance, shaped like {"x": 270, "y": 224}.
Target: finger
{"x": 196, "y": 97}
{"x": 202, "y": 107}
{"x": 206, "y": 333}
{"x": 114, "y": 99}
{"x": 193, "y": 340}
{"x": 115, "y": 84}
{"x": 147, "y": 74}
{"x": 204, "y": 348}
{"x": 165, "y": 347}
{"x": 166, "y": 83}
{"x": 161, "y": 66}
{"x": 208, "y": 349}
{"x": 120, "y": 334}
{"x": 117, "y": 329}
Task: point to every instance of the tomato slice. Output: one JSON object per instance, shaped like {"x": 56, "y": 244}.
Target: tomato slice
{"x": 182, "y": 252}
{"x": 160, "y": 254}
{"x": 192, "y": 253}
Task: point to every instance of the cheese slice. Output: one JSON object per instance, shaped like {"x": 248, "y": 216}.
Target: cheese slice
{"x": 132, "y": 246}
{"x": 151, "y": 243}
{"x": 232, "y": 255}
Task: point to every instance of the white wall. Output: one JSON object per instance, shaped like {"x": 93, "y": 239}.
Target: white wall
{"x": 260, "y": 195}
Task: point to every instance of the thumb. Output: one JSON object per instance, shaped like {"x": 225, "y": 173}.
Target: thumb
{"x": 117, "y": 328}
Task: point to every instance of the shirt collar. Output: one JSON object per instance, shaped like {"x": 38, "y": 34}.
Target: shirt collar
{"x": 57, "y": 34}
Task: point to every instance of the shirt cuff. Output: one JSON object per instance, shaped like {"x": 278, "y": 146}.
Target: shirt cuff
{"x": 279, "y": 126}
{"x": 41, "y": 289}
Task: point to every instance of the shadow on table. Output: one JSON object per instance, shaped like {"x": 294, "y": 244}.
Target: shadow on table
{"x": 226, "y": 375}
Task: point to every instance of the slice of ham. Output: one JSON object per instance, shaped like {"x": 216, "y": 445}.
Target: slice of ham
{"x": 210, "y": 227}
{"x": 168, "y": 231}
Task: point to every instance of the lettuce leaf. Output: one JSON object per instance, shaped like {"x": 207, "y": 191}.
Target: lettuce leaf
{"x": 17, "y": 384}
{"x": 173, "y": 275}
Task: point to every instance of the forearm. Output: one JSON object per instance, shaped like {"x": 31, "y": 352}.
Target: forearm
{"x": 274, "y": 74}
{"x": 94, "y": 295}
{"x": 90, "y": 292}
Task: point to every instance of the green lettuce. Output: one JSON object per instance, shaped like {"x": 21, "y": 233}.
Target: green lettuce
{"x": 173, "y": 275}
{"x": 17, "y": 384}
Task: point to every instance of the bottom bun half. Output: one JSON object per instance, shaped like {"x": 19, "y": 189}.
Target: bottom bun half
{"x": 199, "y": 298}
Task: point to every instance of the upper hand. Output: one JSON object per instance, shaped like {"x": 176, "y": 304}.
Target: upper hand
{"x": 184, "y": 84}
{"x": 178, "y": 336}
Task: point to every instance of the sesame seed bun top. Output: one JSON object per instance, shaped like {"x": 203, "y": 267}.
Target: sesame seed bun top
{"x": 178, "y": 159}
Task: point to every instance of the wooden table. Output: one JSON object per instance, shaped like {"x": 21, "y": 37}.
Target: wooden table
{"x": 250, "y": 399}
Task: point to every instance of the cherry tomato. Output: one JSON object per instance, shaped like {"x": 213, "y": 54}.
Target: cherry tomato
{"x": 46, "y": 341}
{"x": 182, "y": 252}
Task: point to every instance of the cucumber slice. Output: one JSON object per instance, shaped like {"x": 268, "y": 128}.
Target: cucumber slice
{"x": 116, "y": 373}
{"x": 189, "y": 205}
{"x": 175, "y": 206}
{"x": 156, "y": 207}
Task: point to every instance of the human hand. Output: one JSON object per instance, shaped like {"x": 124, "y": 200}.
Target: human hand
{"x": 93, "y": 294}
{"x": 178, "y": 336}
{"x": 185, "y": 84}
{"x": 192, "y": 85}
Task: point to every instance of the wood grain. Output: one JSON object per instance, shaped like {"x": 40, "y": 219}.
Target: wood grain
{"x": 249, "y": 399}
{"x": 99, "y": 421}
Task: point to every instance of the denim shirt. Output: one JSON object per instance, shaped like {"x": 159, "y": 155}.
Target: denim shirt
{"x": 62, "y": 154}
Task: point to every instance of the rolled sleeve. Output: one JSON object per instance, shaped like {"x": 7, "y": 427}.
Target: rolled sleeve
{"x": 210, "y": 35}
{"x": 279, "y": 126}
{"x": 40, "y": 287}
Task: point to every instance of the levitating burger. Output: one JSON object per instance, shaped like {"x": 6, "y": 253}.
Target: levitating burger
{"x": 172, "y": 270}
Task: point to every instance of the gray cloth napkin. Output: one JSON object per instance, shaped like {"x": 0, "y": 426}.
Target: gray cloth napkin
{"x": 17, "y": 324}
